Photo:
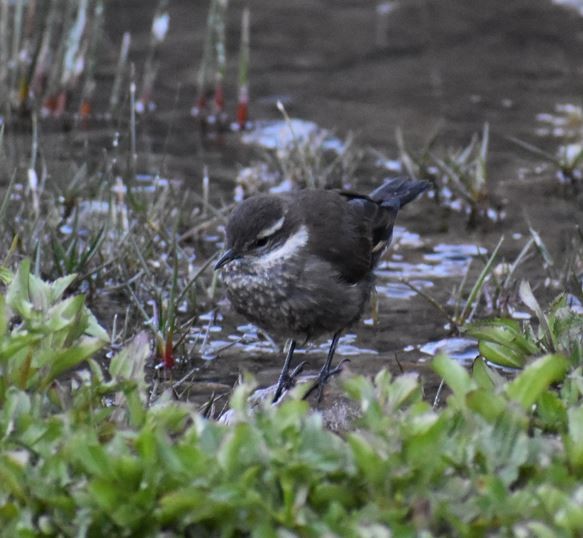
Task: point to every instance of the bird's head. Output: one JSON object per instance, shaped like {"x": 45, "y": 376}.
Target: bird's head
{"x": 259, "y": 229}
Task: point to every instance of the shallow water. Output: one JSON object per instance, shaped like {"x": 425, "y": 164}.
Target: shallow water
{"x": 348, "y": 67}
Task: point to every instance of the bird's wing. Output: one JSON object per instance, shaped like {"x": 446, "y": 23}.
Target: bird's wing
{"x": 341, "y": 231}
{"x": 378, "y": 216}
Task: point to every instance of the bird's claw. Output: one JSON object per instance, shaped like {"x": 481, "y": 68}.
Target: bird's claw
{"x": 323, "y": 379}
{"x": 287, "y": 381}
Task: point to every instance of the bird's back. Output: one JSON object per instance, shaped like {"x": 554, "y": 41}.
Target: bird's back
{"x": 351, "y": 230}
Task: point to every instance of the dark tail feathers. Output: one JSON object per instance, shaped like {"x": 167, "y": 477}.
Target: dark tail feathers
{"x": 403, "y": 190}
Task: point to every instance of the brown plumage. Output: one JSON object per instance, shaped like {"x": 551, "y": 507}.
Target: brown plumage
{"x": 300, "y": 265}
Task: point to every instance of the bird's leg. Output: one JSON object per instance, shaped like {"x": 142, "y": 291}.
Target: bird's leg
{"x": 283, "y": 376}
{"x": 325, "y": 372}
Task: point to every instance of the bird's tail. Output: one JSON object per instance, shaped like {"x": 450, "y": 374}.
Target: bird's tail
{"x": 380, "y": 208}
{"x": 389, "y": 198}
{"x": 402, "y": 190}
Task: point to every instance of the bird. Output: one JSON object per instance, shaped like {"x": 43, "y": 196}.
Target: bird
{"x": 299, "y": 265}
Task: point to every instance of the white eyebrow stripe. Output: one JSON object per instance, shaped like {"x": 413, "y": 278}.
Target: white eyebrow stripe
{"x": 272, "y": 229}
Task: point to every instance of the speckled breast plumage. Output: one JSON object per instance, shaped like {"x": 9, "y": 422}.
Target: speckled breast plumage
{"x": 299, "y": 298}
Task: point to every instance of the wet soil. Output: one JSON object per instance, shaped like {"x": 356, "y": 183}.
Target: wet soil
{"x": 429, "y": 63}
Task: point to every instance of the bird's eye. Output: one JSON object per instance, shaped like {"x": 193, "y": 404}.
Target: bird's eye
{"x": 261, "y": 242}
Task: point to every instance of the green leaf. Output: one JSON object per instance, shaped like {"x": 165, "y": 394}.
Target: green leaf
{"x": 192, "y": 502}
{"x": 17, "y": 295}
{"x": 3, "y": 319}
{"x": 404, "y": 390}
{"x": 240, "y": 449}
{"x": 130, "y": 362}
{"x": 570, "y": 514}
{"x": 16, "y": 404}
{"x": 66, "y": 314}
{"x": 479, "y": 284}
{"x": 537, "y": 529}
{"x": 455, "y": 376}
{"x": 360, "y": 389}
{"x": 105, "y": 493}
{"x": 92, "y": 457}
{"x": 6, "y": 275}
{"x": 59, "y": 286}
{"x": 506, "y": 332}
{"x": 366, "y": 458}
{"x": 531, "y": 383}
{"x": 486, "y": 403}
{"x": 486, "y": 377}
{"x": 552, "y": 411}
{"x": 94, "y": 328}
{"x": 574, "y": 438}
{"x": 11, "y": 346}
{"x": 12, "y": 478}
{"x": 502, "y": 355}
{"x": 530, "y": 301}
{"x": 71, "y": 357}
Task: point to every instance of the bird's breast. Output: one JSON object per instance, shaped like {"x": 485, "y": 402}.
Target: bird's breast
{"x": 262, "y": 294}
{"x": 298, "y": 297}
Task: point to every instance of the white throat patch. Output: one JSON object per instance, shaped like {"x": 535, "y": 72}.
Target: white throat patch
{"x": 292, "y": 245}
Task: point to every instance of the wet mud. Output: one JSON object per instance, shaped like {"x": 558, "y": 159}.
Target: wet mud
{"x": 349, "y": 66}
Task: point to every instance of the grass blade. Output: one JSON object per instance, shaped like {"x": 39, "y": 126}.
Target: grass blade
{"x": 477, "y": 288}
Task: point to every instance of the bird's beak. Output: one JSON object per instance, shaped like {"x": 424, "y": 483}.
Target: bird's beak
{"x": 228, "y": 256}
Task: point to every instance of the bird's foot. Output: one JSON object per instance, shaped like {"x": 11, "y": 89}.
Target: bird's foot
{"x": 323, "y": 379}
{"x": 287, "y": 381}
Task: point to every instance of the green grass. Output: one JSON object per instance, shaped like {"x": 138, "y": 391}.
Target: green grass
{"x": 90, "y": 452}
{"x": 459, "y": 175}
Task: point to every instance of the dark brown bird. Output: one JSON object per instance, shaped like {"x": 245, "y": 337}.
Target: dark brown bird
{"x": 300, "y": 265}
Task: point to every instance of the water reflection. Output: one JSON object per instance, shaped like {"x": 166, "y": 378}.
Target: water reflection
{"x": 573, "y": 4}
{"x": 462, "y": 349}
{"x": 565, "y": 122}
{"x": 249, "y": 340}
{"x": 445, "y": 260}
{"x": 278, "y": 134}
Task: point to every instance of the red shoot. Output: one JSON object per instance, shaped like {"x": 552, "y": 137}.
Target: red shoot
{"x": 219, "y": 98}
{"x": 61, "y": 104}
{"x": 168, "y": 357}
{"x": 242, "y": 114}
{"x": 85, "y": 109}
{"x": 50, "y": 104}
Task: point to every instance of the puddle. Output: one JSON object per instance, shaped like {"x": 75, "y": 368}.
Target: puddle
{"x": 396, "y": 290}
{"x": 247, "y": 339}
{"x": 461, "y": 349}
{"x": 565, "y": 122}
{"x": 405, "y": 238}
{"x": 280, "y": 134}
{"x": 446, "y": 260}
{"x": 576, "y": 5}
{"x": 449, "y": 199}
{"x": 347, "y": 347}
{"x": 87, "y": 212}
{"x": 575, "y": 304}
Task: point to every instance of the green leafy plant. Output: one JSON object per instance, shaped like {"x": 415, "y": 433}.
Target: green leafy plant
{"x": 460, "y": 175}
{"x": 508, "y": 342}
{"x": 84, "y": 449}
{"x": 43, "y": 335}
{"x": 73, "y": 254}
